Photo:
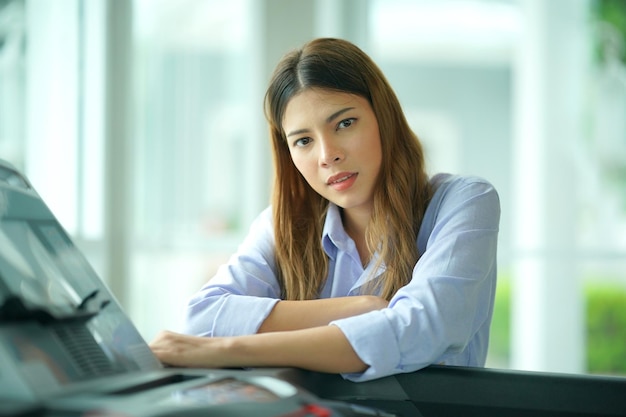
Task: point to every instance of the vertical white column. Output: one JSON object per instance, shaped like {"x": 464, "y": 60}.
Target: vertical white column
{"x": 52, "y": 105}
{"x": 118, "y": 147}
{"x": 91, "y": 158}
{"x": 547, "y": 315}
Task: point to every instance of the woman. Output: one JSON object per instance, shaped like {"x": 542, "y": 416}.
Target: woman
{"x": 363, "y": 265}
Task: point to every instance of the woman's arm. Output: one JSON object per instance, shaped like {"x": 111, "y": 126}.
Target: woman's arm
{"x": 323, "y": 349}
{"x": 444, "y": 313}
{"x": 297, "y": 315}
{"x": 247, "y": 283}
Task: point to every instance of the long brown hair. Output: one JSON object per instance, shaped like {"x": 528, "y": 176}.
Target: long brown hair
{"x": 402, "y": 191}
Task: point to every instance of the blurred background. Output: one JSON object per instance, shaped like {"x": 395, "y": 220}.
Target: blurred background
{"x": 140, "y": 123}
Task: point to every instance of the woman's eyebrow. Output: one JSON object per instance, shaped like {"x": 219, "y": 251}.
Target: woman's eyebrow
{"x": 337, "y": 114}
{"x": 328, "y": 120}
{"x": 297, "y": 132}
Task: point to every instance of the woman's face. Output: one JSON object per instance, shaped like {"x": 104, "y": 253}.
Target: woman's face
{"x": 334, "y": 142}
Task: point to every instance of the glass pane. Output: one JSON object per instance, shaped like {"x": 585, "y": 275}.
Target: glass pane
{"x": 192, "y": 89}
{"x": 195, "y": 114}
{"x": 12, "y": 82}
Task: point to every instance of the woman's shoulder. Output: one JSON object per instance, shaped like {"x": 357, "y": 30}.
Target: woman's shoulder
{"x": 444, "y": 182}
{"x": 468, "y": 196}
{"x": 456, "y": 189}
{"x": 261, "y": 228}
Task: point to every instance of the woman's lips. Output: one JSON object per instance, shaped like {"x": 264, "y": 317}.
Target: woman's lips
{"x": 342, "y": 181}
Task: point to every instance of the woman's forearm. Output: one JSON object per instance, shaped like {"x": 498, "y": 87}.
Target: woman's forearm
{"x": 323, "y": 349}
{"x": 296, "y": 315}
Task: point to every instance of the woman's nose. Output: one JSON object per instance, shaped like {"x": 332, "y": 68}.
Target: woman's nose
{"x": 330, "y": 153}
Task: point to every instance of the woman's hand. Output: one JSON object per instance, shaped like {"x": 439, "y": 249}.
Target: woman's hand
{"x": 177, "y": 349}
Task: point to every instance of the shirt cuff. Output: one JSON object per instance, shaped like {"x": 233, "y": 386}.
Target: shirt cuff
{"x": 374, "y": 341}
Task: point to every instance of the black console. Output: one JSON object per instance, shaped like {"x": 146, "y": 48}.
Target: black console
{"x": 440, "y": 391}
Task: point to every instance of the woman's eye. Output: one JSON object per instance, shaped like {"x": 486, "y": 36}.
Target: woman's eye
{"x": 345, "y": 123}
{"x": 302, "y": 142}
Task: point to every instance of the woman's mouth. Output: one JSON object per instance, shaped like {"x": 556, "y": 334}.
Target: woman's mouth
{"x": 342, "y": 181}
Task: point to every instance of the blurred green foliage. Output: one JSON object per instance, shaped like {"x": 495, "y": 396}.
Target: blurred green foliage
{"x": 612, "y": 12}
{"x": 605, "y": 326}
{"x": 606, "y": 329}
{"x": 499, "y": 339}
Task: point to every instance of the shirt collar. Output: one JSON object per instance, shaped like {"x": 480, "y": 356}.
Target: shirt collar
{"x": 334, "y": 237}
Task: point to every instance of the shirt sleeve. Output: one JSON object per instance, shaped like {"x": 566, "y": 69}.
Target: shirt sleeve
{"x": 243, "y": 292}
{"x": 443, "y": 314}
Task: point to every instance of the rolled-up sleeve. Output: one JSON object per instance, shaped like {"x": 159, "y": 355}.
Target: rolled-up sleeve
{"x": 243, "y": 292}
{"x": 444, "y": 313}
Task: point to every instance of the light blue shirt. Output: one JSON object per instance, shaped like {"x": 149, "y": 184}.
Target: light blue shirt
{"x": 442, "y": 316}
